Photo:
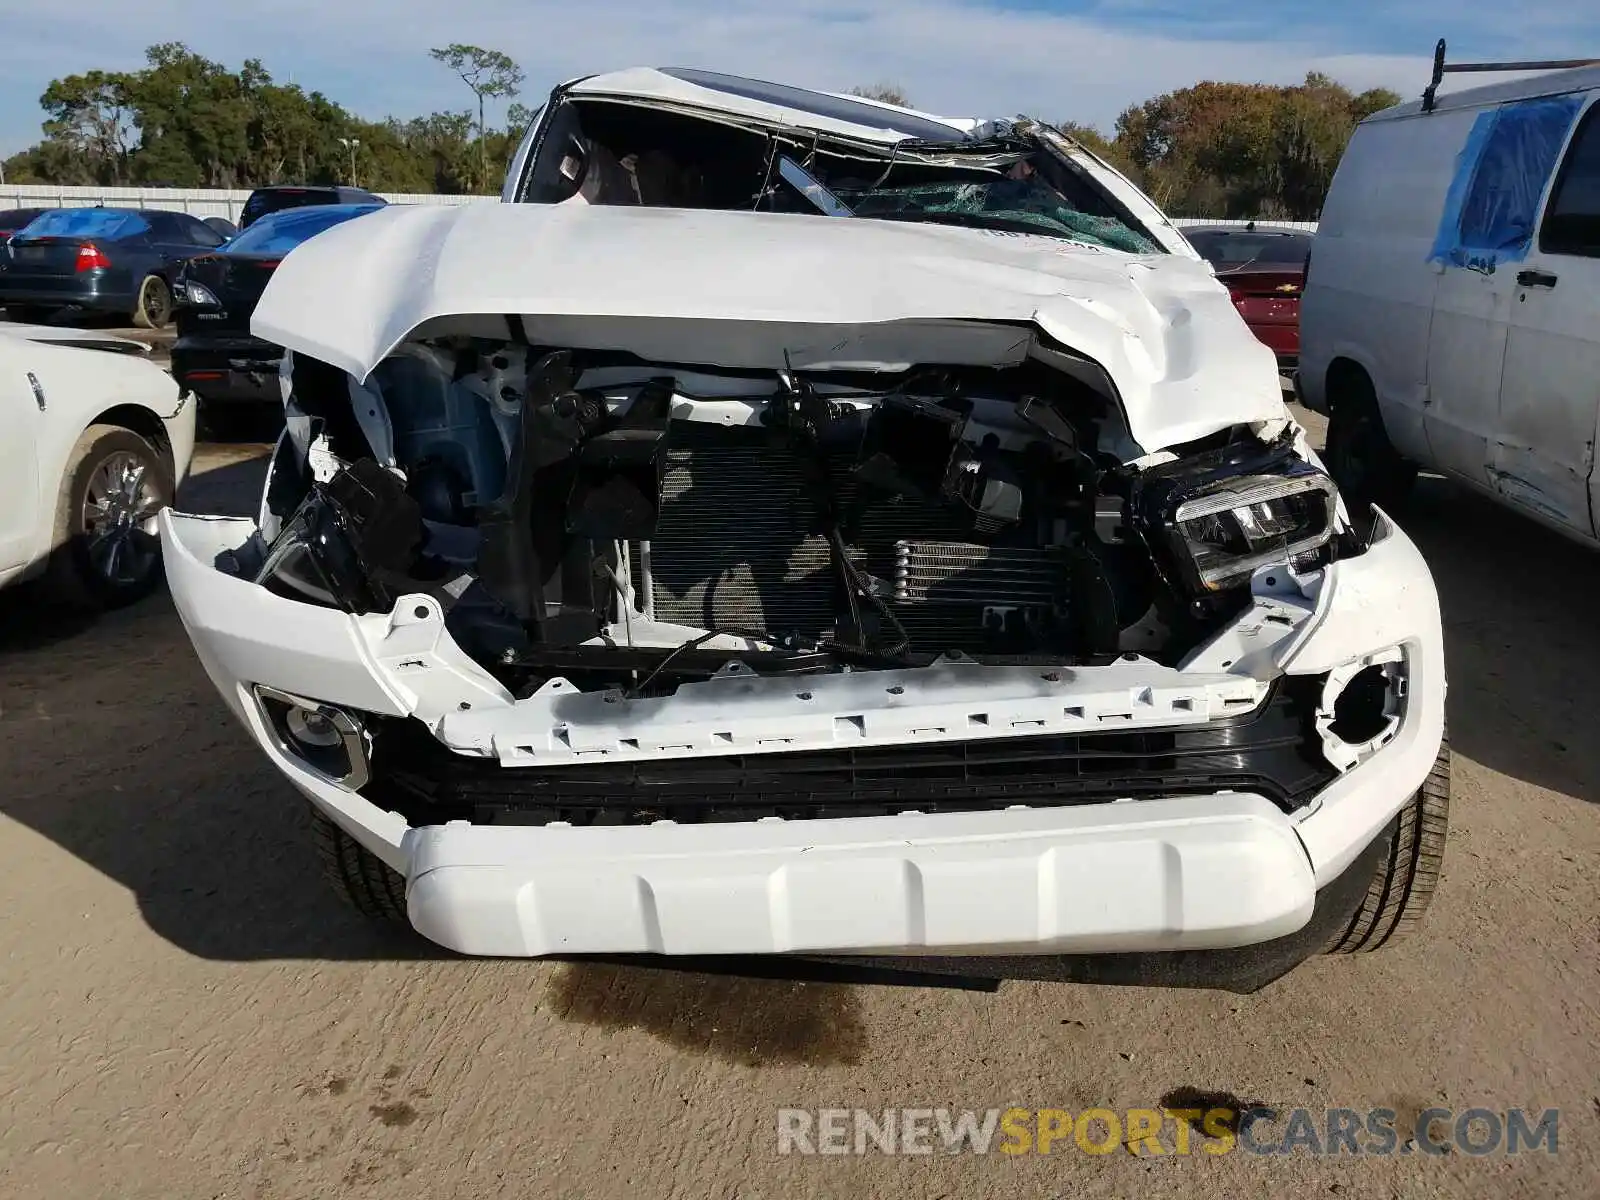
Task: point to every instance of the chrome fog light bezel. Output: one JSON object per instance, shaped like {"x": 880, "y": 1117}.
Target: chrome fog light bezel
{"x": 274, "y": 705}
{"x": 1346, "y": 755}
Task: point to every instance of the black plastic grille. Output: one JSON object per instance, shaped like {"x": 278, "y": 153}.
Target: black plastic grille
{"x": 1273, "y": 751}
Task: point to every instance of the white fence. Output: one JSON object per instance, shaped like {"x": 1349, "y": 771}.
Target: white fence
{"x": 199, "y": 202}
{"x": 1268, "y": 222}
{"x": 214, "y": 202}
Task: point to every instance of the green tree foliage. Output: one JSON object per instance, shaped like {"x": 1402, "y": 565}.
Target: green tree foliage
{"x": 1214, "y": 149}
{"x": 185, "y": 121}
{"x": 1092, "y": 140}
{"x": 490, "y": 75}
{"x": 1244, "y": 150}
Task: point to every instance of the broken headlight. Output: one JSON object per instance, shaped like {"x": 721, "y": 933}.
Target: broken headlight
{"x": 1220, "y": 530}
{"x": 353, "y": 543}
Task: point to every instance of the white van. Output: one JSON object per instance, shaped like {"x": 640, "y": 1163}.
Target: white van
{"x": 1451, "y": 316}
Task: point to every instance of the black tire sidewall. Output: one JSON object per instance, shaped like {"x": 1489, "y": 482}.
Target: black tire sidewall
{"x": 1364, "y": 463}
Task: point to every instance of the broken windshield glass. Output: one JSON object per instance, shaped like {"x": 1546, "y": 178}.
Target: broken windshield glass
{"x": 1020, "y": 204}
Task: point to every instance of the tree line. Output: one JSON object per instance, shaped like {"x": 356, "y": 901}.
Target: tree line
{"x": 185, "y": 121}
{"x": 1211, "y": 150}
{"x": 1238, "y": 149}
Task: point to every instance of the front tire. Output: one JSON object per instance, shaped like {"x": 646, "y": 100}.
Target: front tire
{"x": 368, "y": 884}
{"x": 154, "y": 307}
{"x": 107, "y": 552}
{"x": 1405, "y": 880}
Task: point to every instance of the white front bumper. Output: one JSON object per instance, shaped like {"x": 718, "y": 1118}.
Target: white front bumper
{"x": 1156, "y": 874}
{"x": 1190, "y": 872}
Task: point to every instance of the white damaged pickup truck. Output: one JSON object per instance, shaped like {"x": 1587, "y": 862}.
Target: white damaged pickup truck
{"x": 868, "y": 535}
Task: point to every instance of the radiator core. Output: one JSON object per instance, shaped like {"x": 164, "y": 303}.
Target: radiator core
{"x": 735, "y": 548}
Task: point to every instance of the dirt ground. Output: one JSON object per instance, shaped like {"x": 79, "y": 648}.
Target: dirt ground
{"x": 188, "y": 1012}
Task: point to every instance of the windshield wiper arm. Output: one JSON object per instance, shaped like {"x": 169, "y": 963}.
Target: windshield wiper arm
{"x": 812, "y": 188}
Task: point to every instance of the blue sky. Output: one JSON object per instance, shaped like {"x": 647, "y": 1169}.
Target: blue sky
{"x": 1056, "y": 59}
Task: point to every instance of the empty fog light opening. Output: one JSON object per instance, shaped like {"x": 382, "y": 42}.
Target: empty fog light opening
{"x": 324, "y": 738}
{"x": 1362, "y": 703}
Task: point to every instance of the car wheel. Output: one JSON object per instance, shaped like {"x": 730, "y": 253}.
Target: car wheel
{"x": 154, "y": 308}
{"x": 1360, "y": 456}
{"x": 368, "y": 884}
{"x": 107, "y": 552}
{"x": 1405, "y": 879}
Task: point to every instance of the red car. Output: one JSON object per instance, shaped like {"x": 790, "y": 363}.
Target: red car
{"x": 1264, "y": 269}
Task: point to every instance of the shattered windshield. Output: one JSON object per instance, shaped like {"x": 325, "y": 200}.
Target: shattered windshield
{"x": 995, "y": 186}
{"x": 1012, "y": 180}
{"x": 1026, "y": 205}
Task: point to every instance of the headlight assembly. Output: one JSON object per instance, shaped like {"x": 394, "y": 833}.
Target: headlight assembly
{"x": 351, "y": 544}
{"x": 311, "y": 559}
{"x": 1220, "y": 528}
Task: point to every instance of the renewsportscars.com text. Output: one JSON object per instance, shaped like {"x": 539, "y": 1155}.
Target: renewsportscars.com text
{"x": 1261, "y": 1131}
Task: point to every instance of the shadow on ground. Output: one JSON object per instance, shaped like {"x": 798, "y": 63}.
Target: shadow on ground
{"x": 230, "y": 483}
{"x": 115, "y": 746}
{"x": 1521, "y": 639}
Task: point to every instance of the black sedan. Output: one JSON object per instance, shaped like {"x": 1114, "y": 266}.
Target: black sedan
{"x": 118, "y": 261}
{"x": 215, "y": 355}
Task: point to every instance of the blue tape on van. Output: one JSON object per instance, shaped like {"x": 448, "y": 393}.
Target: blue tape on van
{"x": 1501, "y": 172}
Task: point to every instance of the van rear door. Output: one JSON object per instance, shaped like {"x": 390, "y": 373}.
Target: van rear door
{"x": 1543, "y": 455}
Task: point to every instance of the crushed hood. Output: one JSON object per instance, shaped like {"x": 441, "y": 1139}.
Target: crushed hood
{"x": 758, "y": 290}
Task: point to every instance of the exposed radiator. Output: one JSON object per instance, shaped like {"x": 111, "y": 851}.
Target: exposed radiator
{"x": 966, "y": 573}
{"x": 732, "y": 550}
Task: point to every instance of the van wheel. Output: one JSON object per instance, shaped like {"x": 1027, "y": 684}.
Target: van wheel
{"x": 368, "y": 884}
{"x": 1360, "y": 456}
{"x": 1405, "y": 880}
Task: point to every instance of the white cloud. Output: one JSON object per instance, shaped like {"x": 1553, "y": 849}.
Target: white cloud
{"x": 950, "y": 56}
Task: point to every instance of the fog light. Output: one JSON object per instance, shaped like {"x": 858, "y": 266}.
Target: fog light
{"x": 1361, "y": 707}
{"x": 312, "y": 727}
{"x": 328, "y": 740}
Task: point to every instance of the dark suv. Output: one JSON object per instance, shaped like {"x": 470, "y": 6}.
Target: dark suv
{"x": 279, "y": 197}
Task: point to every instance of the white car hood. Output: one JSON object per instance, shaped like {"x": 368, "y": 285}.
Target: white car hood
{"x": 759, "y": 291}
{"x": 89, "y": 339}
